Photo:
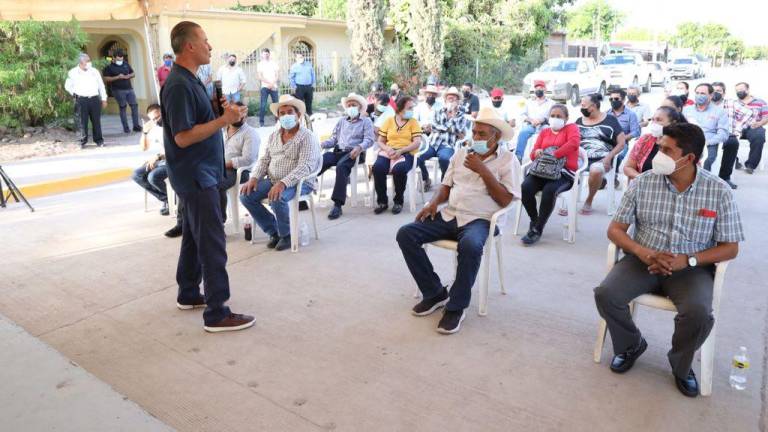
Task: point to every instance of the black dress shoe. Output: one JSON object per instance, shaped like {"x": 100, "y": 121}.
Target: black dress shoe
{"x": 164, "y": 209}
{"x": 380, "y": 208}
{"x": 273, "y": 241}
{"x": 732, "y": 184}
{"x": 126, "y": 130}
{"x": 283, "y": 244}
{"x": 397, "y": 208}
{"x": 335, "y": 212}
{"x": 624, "y": 361}
{"x": 137, "y": 129}
{"x": 174, "y": 232}
{"x": 688, "y": 386}
{"x": 532, "y": 237}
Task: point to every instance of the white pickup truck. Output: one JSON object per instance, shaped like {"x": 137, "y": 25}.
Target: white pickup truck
{"x": 567, "y": 79}
{"x": 627, "y": 69}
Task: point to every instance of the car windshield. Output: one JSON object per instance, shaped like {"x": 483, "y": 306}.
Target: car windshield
{"x": 559, "y": 66}
{"x": 617, "y": 60}
{"x": 683, "y": 61}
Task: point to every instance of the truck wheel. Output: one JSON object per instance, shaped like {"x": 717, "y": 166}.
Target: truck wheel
{"x": 575, "y": 96}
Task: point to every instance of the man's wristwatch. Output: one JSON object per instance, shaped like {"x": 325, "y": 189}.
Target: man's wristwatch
{"x": 692, "y": 261}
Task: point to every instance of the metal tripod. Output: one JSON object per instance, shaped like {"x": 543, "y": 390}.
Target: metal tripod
{"x": 13, "y": 191}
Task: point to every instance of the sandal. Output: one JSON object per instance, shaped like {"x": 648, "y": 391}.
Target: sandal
{"x": 563, "y": 212}
{"x": 586, "y": 210}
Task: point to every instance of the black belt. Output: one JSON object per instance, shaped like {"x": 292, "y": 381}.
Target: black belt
{"x": 86, "y": 97}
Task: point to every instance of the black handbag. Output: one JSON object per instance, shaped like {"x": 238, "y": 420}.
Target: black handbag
{"x": 547, "y": 166}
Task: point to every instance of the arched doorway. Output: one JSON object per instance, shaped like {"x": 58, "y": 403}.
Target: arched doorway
{"x": 110, "y": 45}
{"x": 300, "y": 45}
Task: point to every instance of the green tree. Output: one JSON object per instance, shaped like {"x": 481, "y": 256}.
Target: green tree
{"x": 365, "y": 26}
{"x": 596, "y": 19}
{"x": 34, "y": 60}
{"x": 295, "y": 7}
{"x": 711, "y": 39}
{"x": 332, "y": 9}
{"x": 425, "y": 33}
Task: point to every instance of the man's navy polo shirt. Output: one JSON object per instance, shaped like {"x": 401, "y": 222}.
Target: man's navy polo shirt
{"x": 185, "y": 104}
{"x": 113, "y": 70}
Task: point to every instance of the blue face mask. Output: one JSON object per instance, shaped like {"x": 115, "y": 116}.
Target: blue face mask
{"x": 168, "y": 63}
{"x": 480, "y": 147}
{"x": 701, "y": 99}
{"x": 381, "y": 108}
{"x": 408, "y": 115}
{"x": 352, "y": 112}
{"x": 288, "y": 121}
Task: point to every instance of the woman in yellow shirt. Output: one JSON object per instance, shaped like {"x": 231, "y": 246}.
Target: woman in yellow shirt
{"x": 399, "y": 140}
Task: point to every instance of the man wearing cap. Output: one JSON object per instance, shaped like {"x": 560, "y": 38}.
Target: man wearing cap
{"x": 293, "y": 153}
{"x": 479, "y": 182}
{"x": 118, "y": 76}
{"x": 351, "y": 137}
{"x": 497, "y": 100}
{"x": 534, "y": 116}
{"x": 448, "y": 126}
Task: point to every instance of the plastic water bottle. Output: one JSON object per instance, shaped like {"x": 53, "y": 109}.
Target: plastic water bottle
{"x": 304, "y": 234}
{"x": 247, "y": 228}
{"x": 739, "y": 368}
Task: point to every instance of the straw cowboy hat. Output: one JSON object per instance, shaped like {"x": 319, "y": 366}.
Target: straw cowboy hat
{"x": 354, "y": 97}
{"x": 430, "y": 89}
{"x": 487, "y": 115}
{"x": 288, "y": 100}
{"x": 454, "y": 91}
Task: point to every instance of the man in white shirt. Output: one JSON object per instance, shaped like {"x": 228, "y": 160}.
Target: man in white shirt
{"x": 534, "y": 116}
{"x": 232, "y": 79}
{"x": 152, "y": 174}
{"x": 85, "y": 83}
{"x": 268, "y": 72}
{"x": 479, "y": 182}
{"x": 241, "y": 150}
{"x": 425, "y": 110}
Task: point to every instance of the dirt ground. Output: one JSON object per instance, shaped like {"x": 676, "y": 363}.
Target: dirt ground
{"x": 51, "y": 142}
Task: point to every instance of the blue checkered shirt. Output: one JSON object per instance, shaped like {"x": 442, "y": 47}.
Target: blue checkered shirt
{"x": 685, "y": 222}
{"x": 445, "y": 131}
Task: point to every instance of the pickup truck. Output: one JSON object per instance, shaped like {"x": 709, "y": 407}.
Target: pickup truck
{"x": 568, "y": 79}
{"x": 625, "y": 70}
{"x": 685, "y": 67}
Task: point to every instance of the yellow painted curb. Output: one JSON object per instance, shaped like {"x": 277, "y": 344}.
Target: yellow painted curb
{"x": 75, "y": 183}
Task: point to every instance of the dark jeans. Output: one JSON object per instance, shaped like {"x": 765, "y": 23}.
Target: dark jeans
{"x": 265, "y": 94}
{"x": 730, "y": 150}
{"x": 399, "y": 176}
{"x": 153, "y": 181}
{"x": 443, "y": 154}
{"x": 203, "y": 255}
{"x": 226, "y": 184}
{"x": 344, "y": 166}
{"x": 756, "y": 139}
{"x": 549, "y": 190}
{"x": 471, "y": 238}
{"x": 123, "y": 98}
{"x": 90, "y": 109}
{"x": 711, "y": 156}
{"x": 305, "y": 92}
{"x": 689, "y": 289}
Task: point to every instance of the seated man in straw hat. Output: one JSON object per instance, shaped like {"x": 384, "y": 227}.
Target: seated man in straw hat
{"x": 293, "y": 153}
{"x": 480, "y": 181}
{"x": 351, "y": 137}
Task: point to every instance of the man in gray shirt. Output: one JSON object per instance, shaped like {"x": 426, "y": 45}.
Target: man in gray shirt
{"x": 712, "y": 119}
{"x": 241, "y": 149}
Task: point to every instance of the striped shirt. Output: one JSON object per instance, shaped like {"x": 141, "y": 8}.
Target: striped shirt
{"x": 739, "y": 115}
{"x": 292, "y": 161}
{"x": 760, "y": 109}
{"x": 685, "y": 222}
{"x": 349, "y": 134}
{"x": 445, "y": 130}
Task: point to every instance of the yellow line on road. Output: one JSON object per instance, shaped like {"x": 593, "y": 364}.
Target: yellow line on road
{"x": 75, "y": 183}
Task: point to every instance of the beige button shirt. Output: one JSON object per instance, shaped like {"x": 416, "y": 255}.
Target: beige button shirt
{"x": 469, "y": 198}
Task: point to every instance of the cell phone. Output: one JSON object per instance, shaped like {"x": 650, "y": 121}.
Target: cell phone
{"x": 219, "y": 95}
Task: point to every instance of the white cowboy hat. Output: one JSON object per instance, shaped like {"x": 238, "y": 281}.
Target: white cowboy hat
{"x": 287, "y": 99}
{"x": 487, "y": 115}
{"x": 354, "y": 97}
{"x": 452, "y": 90}
{"x": 430, "y": 89}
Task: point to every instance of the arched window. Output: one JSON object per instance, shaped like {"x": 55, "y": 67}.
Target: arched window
{"x": 110, "y": 45}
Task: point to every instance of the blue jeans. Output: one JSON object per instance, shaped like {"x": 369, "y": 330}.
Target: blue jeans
{"x": 153, "y": 181}
{"x": 471, "y": 238}
{"x": 272, "y": 224}
{"x": 526, "y": 132}
{"x": 265, "y": 95}
{"x": 233, "y": 97}
{"x": 124, "y": 98}
{"x": 443, "y": 154}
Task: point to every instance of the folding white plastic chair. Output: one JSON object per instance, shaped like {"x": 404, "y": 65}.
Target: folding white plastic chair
{"x": 354, "y": 178}
{"x": 414, "y": 184}
{"x": 569, "y": 202}
{"x": 610, "y": 187}
{"x": 485, "y": 264}
{"x": 233, "y": 201}
{"x": 664, "y": 303}
{"x": 173, "y": 199}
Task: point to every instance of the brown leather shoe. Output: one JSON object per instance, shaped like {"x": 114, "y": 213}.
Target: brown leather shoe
{"x": 231, "y": 323}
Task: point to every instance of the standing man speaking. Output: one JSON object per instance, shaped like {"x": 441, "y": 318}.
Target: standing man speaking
{"x": 194, "y": 150}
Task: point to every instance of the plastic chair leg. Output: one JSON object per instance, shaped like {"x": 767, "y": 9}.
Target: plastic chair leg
{"x": 602, "y": 329}
{"x": 708, "y": 362}
{"x": 353, "y": 185}
{"x": 314, "y": 217}
{"x": 234, "y": 207}
{"x": 500, "y": 256}
{"x": 519, "y": 214}
{"x": 146, "y": 201}
{"x": 484, "y": 276}
{"x": 294, "y": 223}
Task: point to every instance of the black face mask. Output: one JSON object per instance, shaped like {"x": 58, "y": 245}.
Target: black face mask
{"x": 632, "y": 98}
{"x": 430, "y": 100}
{"x": 393, "y": 93}
{"x": 539, "y": 93}
{"x": 616, "y": 104}
{"x": 742, "y": 94}
{"x": 684, "y": 97}
{"x": 717, "y": 97}
{"x": 467, "y": 94}
{"x": 159, "y": 122}
{"x": 496, "y": 104}
{"x": 238, "y": 124}
{"x": 232, "y": 62}
{"x": 585, "y": 112}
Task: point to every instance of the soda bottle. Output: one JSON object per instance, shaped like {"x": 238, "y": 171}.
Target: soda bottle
{"x": 247, "y": 228}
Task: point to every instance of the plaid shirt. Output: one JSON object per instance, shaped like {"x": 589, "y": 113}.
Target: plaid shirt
{"x": 739, "y": 115}
{"x": 685, "y": 222}
{"x": 445, "y": 131}
{"x": 292, "y": 161}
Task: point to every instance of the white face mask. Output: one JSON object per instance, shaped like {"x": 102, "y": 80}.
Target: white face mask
{"x": 556, "y": 123}
{"x": 119, "y": 62}
{"x": 88, "y": 65}
{"x": 664, "y": 165}
{"x": 656, "y": 129}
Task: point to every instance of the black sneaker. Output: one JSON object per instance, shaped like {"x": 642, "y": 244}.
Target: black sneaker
{"x": 739, "y": 165}
{"x": 532, "y": 237}
{"x": 303, "y": 206}
{"x": 380, "y": 208}
{"x": 428, "y": 306}
{"x": 427, "y": 185}
{"x": 273, "y": 240}
{"x": 283, "y": 244}
{"x": 126, "y": 130}
{"x": 397, "y": 208}
{"x": 164, "y": 209}
{"x": 137, "y": 129}
{"x": 749, "y": 170}
{"x": 174, "y": 232}
{"x": 732, "y": 184}
{"x": 450, "y": 323}
{"x": 195, "y": 304}
{"x": 100, "y": 144}
{"x": 335, "y": 212}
